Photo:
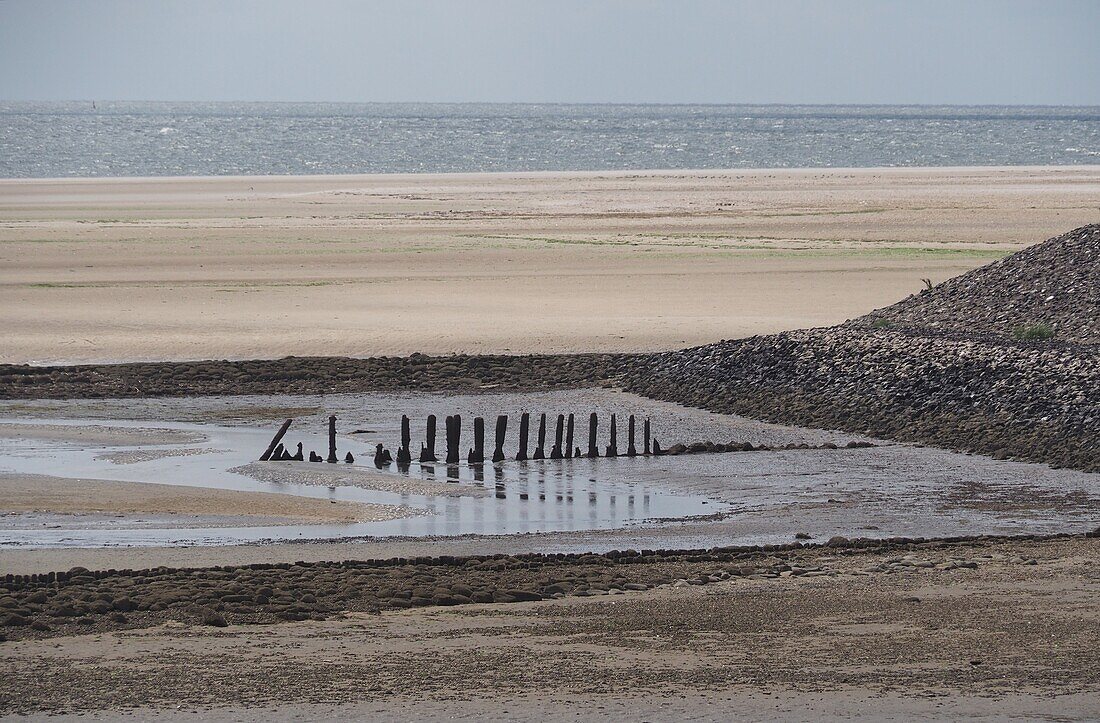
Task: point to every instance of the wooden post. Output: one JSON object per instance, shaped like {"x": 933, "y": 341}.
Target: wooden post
{"x": 275, "y": 440}
{"x": 404, "y": 455}
{"x": 477, "y": 454}
{"x": 524, "y": 429}
{"x": 332, "y": 440}
{"x": 631, "y": 450}
{"x": 593, "y": 450}
{"x": 454, "y": 437}
{"x": 540, "y": 451}
{"x": 613, "y": 448}
{"x": 502, "y": 429}
{"x": 645, "y": 433}
{"x": 427, "y": 454}
{"x": 559, "y": 430}
{"x": 569, "y": 437}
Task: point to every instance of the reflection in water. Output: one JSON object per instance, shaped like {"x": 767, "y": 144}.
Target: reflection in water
{"x": 526, "y": 496}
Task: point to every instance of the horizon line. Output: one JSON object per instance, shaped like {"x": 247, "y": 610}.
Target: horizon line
{"x": 567, "y": 103}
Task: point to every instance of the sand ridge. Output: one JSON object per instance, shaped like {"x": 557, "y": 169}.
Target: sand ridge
{"x": 55, "y": 500}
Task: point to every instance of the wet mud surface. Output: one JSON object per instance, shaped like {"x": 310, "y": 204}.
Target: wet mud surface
{"x": 700, "y": 499}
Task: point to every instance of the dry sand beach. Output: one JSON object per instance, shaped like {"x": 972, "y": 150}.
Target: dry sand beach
{"x": 98, "y": 270}
{"x": 846, "y": 565}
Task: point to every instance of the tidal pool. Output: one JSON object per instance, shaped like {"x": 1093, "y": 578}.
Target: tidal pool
{"x": 726, "y": 498}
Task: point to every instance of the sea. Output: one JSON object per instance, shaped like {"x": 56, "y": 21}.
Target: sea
{"x": 75, "y": 139}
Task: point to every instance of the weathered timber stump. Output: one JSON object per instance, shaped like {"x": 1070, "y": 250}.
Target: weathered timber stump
{"x": 404, "y": 454}
{"x": 559, "y": 432}
{"x": 477, "y": 454}
{"x": 498, "y": 446}
{"x": 540, "y": 450}
{"x": 332, "y": 439}
{"x": 593, "y": 424}
{"x": 524, "y": 429}
{"x": 569, "y": 437}
{"x": 275, "y": 441}
{"x": 454, "y": 436}
{"x": 427, "y": 452}
{"x": 613, "y": 448}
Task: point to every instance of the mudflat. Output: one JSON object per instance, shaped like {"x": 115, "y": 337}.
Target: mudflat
{"x": 930, "y": 630}
{"x": 261, "y": 267}
{"x": 35, "y": 501}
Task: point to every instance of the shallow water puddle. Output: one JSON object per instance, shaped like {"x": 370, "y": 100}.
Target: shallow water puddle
{"x": 515, "y": 497}
{"x": 760, "y": 496}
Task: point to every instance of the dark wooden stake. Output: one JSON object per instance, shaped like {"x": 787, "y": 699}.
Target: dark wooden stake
{"x": 477, "y": 454}
{"x": 502, "y": 429}
{"x": 454, "y": 436}
{"x": 645, "y": 433}
{"x": 332, "y": 440}
{"x": 593, "y": 423}
{"x": 524, "y": 429}
{"x": 631, "y": 450}
{"x": 540, "y": 451}
{"x": 427, "y": 453}
{"x": 559, "y": 431}
{"x": 275, "y": 440}
{"x": 404, "y": 455}
{"x": 569, "y": 437}
{"x": 613, "y": 448}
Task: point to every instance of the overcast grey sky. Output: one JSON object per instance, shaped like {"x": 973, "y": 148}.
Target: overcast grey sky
{"x": 701, "y": 51}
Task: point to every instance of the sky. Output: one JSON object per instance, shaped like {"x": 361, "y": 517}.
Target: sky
{"x": 970, "y": 52}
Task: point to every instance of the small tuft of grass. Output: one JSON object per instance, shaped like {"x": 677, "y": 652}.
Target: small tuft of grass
{"x": 882, "y": 323}
{"x": 1033, "y": 332}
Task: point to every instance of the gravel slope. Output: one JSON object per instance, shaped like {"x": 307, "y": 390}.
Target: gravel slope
{"x": 939, "y": 368}
{"x": 1056, "y": 283}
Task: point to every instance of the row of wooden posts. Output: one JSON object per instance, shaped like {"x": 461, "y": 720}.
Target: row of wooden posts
{"x": 562, "y": 448}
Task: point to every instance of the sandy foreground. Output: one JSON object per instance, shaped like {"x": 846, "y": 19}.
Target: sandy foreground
{"x": 1007, "y": 631}
{"x": 39, "y": 500}
{"x": 199, "y": 268}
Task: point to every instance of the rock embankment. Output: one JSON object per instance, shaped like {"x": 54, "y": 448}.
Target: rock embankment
{"x": 948, "y": 367}
{"x": 310, "y": 375}
{"x": 1054, "y": 284}
{"x": 1035, "y": 401}
{"x": 81, "y": 601}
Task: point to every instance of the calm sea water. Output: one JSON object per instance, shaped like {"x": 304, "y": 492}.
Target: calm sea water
{"x": 155, "y": 139}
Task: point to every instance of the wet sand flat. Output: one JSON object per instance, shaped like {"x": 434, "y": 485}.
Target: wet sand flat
{"x": 693, "y": 500}
{"x": 95, "y": 435}
{"x": 36, "y": 501}
{"x": 132, "y": 269}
